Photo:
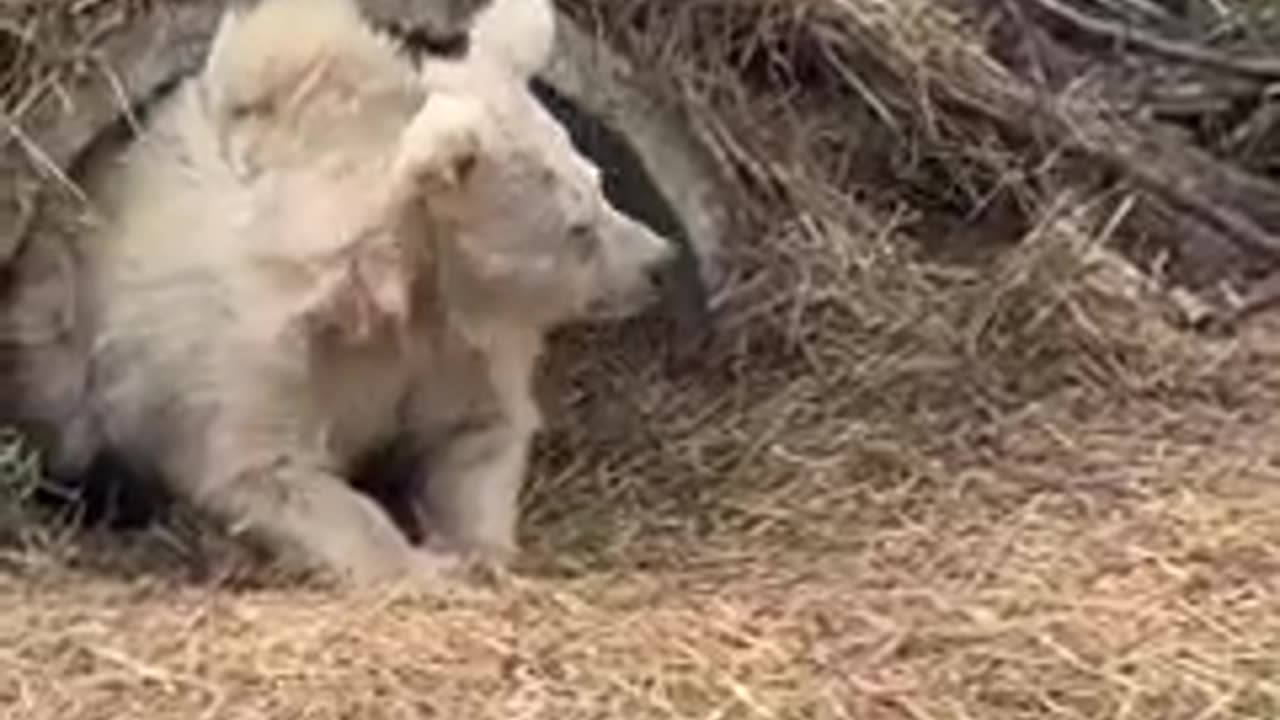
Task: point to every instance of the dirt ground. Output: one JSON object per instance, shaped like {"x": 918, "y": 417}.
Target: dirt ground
{"x": 947, "y": 459}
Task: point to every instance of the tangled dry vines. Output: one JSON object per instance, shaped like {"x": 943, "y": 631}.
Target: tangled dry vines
{"x": 947, "y": 458}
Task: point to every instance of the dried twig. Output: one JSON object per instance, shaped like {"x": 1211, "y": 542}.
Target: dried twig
{"x": 1262, "y": 68}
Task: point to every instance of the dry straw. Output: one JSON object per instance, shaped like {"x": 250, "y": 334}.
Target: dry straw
{"x": 945, "y": 460}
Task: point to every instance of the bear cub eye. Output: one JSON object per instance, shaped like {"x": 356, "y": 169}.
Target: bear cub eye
{"x": 582, "y": 241}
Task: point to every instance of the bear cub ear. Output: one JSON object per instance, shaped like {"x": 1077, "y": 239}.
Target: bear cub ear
{"x": 262, "y": 51}
{"x": 520, "y": 34}
{"x": 442, "y": 145}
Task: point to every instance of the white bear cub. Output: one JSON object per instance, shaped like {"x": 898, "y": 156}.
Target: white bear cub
{"x": 317, "y": 247}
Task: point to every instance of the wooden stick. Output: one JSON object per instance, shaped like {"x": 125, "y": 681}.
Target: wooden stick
{"x": 1262, "y": 68}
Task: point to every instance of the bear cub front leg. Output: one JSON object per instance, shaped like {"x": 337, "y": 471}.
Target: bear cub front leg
{"x": 320, "y": 515}
{"x": 267, "y": 471}
{"x": 470, "y": 488}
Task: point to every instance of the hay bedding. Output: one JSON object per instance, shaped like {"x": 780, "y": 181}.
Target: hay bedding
{"x": 947, "y": 458}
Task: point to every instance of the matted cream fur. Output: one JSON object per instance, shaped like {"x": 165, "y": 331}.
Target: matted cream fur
{"x": 318, "y": 246}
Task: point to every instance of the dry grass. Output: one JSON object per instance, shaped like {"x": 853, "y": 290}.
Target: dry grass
{"x": 944, "y": 461}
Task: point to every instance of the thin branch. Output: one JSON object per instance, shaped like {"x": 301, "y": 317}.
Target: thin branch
{"x": 1264, "y": 68}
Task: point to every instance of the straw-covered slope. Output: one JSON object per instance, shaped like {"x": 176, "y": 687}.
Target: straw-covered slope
{"x": 948, "y": 456}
